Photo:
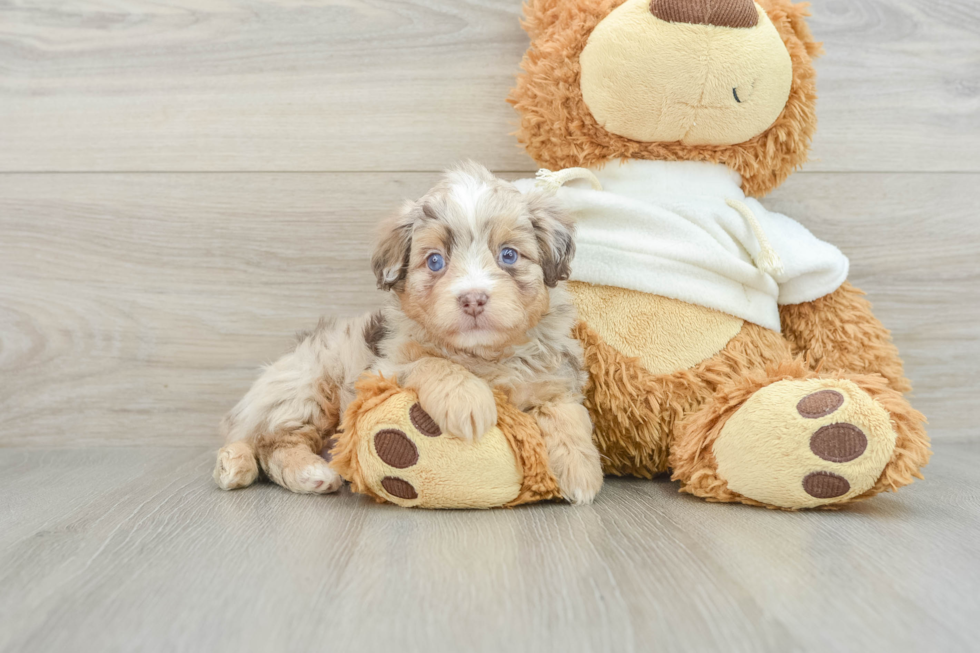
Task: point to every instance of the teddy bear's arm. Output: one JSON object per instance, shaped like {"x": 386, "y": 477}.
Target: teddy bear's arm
{"x": 839, "y": 333}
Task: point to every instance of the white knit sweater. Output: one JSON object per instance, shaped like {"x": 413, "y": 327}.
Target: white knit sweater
{"x": 683, "y": 229}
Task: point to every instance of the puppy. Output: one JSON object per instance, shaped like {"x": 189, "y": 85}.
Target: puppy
{"x": 476, "y": 271}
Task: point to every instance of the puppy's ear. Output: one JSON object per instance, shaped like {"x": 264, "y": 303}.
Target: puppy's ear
{"x": 555, "y": 232}
{"x": 394, "y": 245}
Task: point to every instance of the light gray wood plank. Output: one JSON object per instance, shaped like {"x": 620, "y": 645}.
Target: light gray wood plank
{"x": 899, "y": 85}
{"x": 366, "y": 85}
{"x": 125, "y": 549}
{"x": 136, "y": 308}
{"x": 143, "y": 304}
{"x": 253, "y": 85}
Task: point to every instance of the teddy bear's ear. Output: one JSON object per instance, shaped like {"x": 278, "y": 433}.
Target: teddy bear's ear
{"x": 540, "y": 15}
{"x": 795, "y": 16}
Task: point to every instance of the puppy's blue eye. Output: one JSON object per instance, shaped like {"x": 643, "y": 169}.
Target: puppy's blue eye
{"x": 435, "y": 262}
{"x": 508, "y": 256}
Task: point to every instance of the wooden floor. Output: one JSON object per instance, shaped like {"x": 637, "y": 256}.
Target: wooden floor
{"x": 186, "y": 183}
{"x": 134, "y": 549}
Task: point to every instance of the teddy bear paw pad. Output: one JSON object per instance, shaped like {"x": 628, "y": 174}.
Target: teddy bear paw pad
{"x": 825, "y": 485}
{"x": 820, "y": 404}
{"x": 400, "y": 488}
{"x": 395, "y": 449}
{"x": 422, "y": 421}
{"x": 805, "y": 443}
{"x": 838, "y": 443}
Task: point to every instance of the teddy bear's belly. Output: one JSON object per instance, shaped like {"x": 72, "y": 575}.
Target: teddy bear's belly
{"x": 666, "y": 335}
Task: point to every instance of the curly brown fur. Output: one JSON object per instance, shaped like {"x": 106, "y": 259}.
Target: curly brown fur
{"x": 558, "y": 130}
{"x": 838, "y": 332}
{"x": 912, "y": 447}
{"x": 635, "y": 412}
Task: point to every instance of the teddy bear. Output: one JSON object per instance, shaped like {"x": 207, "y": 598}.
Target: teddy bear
{"x": 723, "y": 341}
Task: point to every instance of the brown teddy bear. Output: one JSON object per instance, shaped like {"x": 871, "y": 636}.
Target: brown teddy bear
{"x": 723, "y": 341}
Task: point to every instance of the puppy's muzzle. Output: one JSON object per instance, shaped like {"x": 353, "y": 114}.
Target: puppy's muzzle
{"x": 473, "y": 302}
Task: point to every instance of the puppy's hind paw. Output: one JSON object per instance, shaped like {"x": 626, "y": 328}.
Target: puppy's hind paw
{"x": 236, "y": 466}
{"x": 314, "y": 478}
{"x": 299, "y": 470}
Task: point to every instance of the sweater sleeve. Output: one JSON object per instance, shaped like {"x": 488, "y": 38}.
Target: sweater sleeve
{"x": 812, "y": 268}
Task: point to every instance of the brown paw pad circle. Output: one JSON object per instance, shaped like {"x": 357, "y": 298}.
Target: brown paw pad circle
{"x": 838, "y": 443}
{"x": 394, "y": 447}
{"x": 398, "y": 487}
{"x": 820, "y": 404}
{"x": 422, "y": 421}
{"x": 824, "y": 485}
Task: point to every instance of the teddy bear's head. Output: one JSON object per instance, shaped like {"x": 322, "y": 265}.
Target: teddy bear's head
{"x": 725, "y": 81}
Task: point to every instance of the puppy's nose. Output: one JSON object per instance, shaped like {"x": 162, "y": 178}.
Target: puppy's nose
{"x": 723, "y": 13}
{"x": 473, "y": 302}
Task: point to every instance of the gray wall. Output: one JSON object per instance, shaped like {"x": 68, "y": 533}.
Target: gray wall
{"x": 182, "y": 186}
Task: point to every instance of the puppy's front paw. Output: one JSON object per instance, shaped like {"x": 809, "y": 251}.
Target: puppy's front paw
{"x": 466, "y": 410}
{"x": 578, "y": 472}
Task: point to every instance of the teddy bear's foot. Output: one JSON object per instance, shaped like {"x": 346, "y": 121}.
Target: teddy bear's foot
{"x": 803, "y": 443}
{"x": 392, "y": 450}
{"x": 800, "y": 444}
{"x": 404, "y": 457}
